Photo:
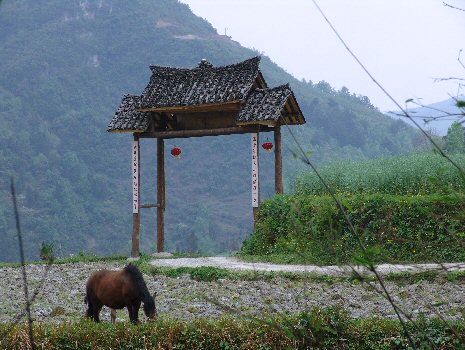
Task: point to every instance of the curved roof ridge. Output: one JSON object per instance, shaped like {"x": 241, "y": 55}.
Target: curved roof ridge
{"x": 255, "y": 59}
{"x": 170, "y": 87}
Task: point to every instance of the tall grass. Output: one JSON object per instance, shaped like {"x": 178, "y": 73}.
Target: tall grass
{"x": 420, "y": 173}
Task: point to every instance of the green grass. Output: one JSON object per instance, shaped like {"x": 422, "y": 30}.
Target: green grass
{"x": 317, "y": 329}
{"x": 81, "y": 257}
{"x": 419, "y": 173}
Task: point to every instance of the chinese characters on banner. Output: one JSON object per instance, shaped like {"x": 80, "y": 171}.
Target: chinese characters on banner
{"x": 255, "y": 170}
{"x": 135, "y": 177}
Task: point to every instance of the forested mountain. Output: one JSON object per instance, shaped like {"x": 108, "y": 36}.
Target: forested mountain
{"x": 65, "y": 65}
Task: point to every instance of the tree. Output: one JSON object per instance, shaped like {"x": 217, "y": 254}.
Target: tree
{"x": 455, "y": 138}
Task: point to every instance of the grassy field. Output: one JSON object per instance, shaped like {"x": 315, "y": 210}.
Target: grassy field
{"x": 316, "y": 329}
{"x": 420, "y": 173}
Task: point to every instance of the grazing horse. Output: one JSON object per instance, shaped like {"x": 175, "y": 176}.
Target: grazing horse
{"x": 119, "y": 289}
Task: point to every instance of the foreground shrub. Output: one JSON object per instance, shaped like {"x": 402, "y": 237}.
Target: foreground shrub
{"x": 306, "y": 228}
{"x": 327, "y": 329}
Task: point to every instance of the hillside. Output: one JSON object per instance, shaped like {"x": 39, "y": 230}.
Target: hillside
{"x": 65, "y": 66}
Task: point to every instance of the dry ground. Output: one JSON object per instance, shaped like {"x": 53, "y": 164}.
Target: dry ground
{"x": 62, "y": 298}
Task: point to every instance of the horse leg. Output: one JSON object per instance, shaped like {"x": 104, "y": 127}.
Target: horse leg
{"x": 90, "y": 311}
{"x": 97, "y": 307}
{"x": 113, "y": 315}
{"x": 88, "y": 300}
{"x": 131, "y": 313}
{"x": 133, "y": 310}
{"x": 136, "y": 311}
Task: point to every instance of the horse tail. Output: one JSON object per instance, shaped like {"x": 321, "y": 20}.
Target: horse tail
{"x": 140, "y": 283}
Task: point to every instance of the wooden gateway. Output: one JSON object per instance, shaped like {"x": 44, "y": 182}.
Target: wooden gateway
{"x": 203, "y": 101}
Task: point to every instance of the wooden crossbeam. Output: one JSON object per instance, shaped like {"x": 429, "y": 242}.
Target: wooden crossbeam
{"x": 174, "y": 134}
{"x": 149, "y": 205}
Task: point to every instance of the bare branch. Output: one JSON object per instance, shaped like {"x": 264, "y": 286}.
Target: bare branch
{"x": 431, "y": 140}
{"x": 35, "y": 294}
{"x": 453, "y": 7}
{"x": 460, "y": 60}
{"x": 307, "y": 161}
{"x": 450, "y": 78}
{"x": 23, "y": 264}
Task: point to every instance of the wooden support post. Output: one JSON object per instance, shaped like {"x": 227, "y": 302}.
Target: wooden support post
{"x": 160, "y": 195}
{"x": 278, "y": 161}
{"x": 255, "y": 175}
{"x": 135, "y": 156}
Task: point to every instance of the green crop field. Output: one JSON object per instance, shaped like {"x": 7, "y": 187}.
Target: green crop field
{"x": 419, "y": 173}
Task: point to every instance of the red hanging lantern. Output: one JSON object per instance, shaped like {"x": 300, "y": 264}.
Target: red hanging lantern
{"x": 267, "y": 146}
{"x": 176, "y": 152}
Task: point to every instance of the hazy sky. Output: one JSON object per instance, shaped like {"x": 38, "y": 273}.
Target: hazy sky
{"x": 404, "y": 43}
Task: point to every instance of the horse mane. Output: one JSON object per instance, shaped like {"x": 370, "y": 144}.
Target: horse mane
{"x": 140, "y": 283}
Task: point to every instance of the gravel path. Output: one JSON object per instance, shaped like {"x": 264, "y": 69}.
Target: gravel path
{"x": 236, "y": 264}
{"x": 63, "y": 295}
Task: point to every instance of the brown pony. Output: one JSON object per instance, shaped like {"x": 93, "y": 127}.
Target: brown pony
{"x": 119, "y": 289}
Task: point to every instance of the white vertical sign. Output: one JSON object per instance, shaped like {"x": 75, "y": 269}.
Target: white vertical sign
{"x": 135, "y": 177}
{"x": 255, "y": 170}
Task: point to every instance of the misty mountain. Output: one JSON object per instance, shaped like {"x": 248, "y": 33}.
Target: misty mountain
{"x": 435, "y": 116}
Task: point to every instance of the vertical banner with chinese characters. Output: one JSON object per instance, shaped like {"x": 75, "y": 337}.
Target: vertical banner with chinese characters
{"x": 255, "y": 185}
{"x": 135, "y": 177}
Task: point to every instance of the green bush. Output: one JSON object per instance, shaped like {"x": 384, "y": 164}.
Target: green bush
{"x": 424, "y": 173}
{"x": 317, "y": 329}
{"x": 201, "y": 273}
{"x": 311, "y": 229}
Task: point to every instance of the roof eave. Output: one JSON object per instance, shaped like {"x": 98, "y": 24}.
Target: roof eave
{"x": 126, "y": 131}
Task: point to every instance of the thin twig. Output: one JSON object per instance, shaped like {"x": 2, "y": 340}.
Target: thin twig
{"x": 460, "y": 60}
{"x": 307, "y": 161}
{"x": 434, "y": 143}
{"x": 449, "y": 78}
{"x": 23, "y": 264}
{"x": 453, "y": 7}
{"x": 23, "y": 313}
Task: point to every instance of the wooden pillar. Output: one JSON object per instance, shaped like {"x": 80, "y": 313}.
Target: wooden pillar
{"x": 135, "y": 156}
{"x": 278, "y": 161}
{"x": 255, "y": 175}
{"x": 160, "y": 195}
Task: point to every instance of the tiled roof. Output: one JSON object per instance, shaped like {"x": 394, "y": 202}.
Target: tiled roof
{"x": 265, "y": 104}
{"x": 127, "y": 118}
{"x": 205, "y": 84}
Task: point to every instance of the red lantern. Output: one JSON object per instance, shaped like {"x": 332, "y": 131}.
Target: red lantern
{"x": 176, "y": 152}
{"x": 267, "y": 146}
